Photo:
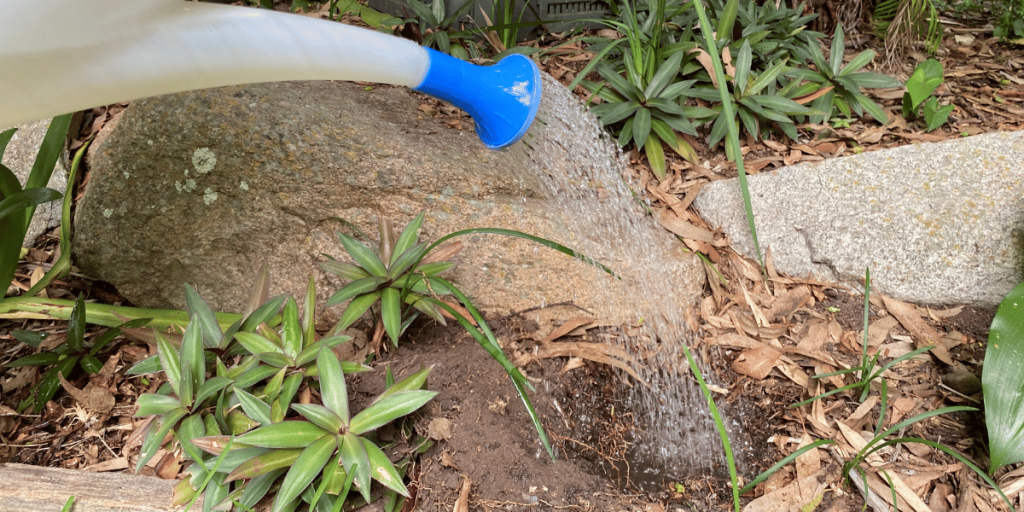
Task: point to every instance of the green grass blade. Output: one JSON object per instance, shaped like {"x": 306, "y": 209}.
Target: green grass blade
{"x": 46, "y": 159}
{"x": 782, "y": 463}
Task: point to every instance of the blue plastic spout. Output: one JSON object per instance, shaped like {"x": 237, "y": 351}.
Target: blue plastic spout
{"x": 503, "y": 99}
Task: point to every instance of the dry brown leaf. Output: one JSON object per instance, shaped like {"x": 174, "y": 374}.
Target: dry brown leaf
{"x": 878, "y": 330}
{"x": 23, "y": 376}
{"x": 736, "y": 340}
{"x": 923, "y": 333}
{"x": 610, "y": 355}
{"x": 447, "y": 460}
{"x": 901, "y": 407}
{"x": 444, "y": 253}
{"x": 117, "y": 464}
{"x": 793, "y": 497}
{"x": 754, "y": 308}
{"x": 809, "y": 463}
{"x": 756, "y": 363}
{"x": 680, "y": 227}
{"x": 777, "y": 146}
{"x": 789, "y": 302}
{"x": 858, "y": 443}
{"x": 568, "y": 326}
{"x": 96, "y": 399}
{"x": 462, "y": 504}
{"x": 439, "y": 429}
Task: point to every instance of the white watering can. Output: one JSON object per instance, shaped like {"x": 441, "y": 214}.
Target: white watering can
{"x": 60, "y": 56}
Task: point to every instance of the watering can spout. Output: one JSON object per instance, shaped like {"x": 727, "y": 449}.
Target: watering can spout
{"x": 503, "y": 99}
{"x": 60, "y": 57}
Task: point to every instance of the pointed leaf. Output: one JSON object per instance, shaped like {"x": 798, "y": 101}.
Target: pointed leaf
{"x": 407, "y": 239}
{"x": 254, "y": 408}
{"x": 332, "y": 384}
{"x": 838, "y": 49}
{"x": 356, "y": 462}
{"x": 388, "y": 409}
{"x": 169, "y": 361}
{"x": 382, "y": 469}
{"x": 363, "y": 255}
{"x": 150, "y": 404}
{"x": 199, "y": 312}
{"x": 321, "y": 416}
{"x": 210, "y": 387}
{"x": 403, "y": 262}
{"x": 76, "y": 326}
{"x": 256, "y": 488}
{"x": 156, "y": 435}
{"x": 193, "y": 363}
{"x": 263, "y": 313}
{"x": 655, "y": 155}
{"x": 291, "y": 331}
{"x": 260, "y": 290}
{"x": 391, "y": 313}
{"x": 287, "y": 434}
{"x": 310, "y": 352}
{"x": 264, "y": 463}
{"x": 666, "y": 74}
{"x": 411, "y": 383}
{"x": 345, "y": 270}
{"x": 256, "y": 344}
{"x": 356, "y": 288}
{"x": 641, "y": 126}
{"x": 1002, "y": 379}
{"x": 309, "y": 315}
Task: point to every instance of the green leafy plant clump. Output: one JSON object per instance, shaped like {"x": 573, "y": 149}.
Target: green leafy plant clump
{"x": 922, "y": 83}
{"x": 1002, "y": 381}
{"x": 231, "y": 403}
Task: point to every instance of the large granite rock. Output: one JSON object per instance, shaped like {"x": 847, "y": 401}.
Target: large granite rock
{"x": 19, "y": 157}
{"x": 202, "y": 187}
{"x": 937, "y": 223}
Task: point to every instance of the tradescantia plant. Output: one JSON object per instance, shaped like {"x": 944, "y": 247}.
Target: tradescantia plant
{"x": 400, "y": 279}
{"x": 232, "y": 392}
{"x": 845, "y": 82}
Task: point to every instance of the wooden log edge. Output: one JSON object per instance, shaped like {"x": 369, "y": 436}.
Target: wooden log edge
{"x": 26, "y": 488}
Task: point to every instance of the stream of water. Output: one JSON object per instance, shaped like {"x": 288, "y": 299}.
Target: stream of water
{"x": 590, "y": 190}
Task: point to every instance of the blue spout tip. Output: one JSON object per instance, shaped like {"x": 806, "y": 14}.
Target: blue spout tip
{"x": 503, "y": 99}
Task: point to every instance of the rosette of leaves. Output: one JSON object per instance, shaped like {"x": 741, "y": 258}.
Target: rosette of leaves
{"x": 845, "y": 82}
{"x": 775, "y": 32}
{"x": 65, "y": 357}
{"x": 756, "y": 111}
{"x": 318, "y": 456}
{"x": 205, "y": 397}
{"x": 409, "y": 284}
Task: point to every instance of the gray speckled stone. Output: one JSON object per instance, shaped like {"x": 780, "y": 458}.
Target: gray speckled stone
{"x": 937, "y": 223}
{"x": 201, "y": 187}
{"x": 18, "y": 157}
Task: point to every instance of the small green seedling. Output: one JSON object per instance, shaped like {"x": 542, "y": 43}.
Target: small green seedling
{"x": 64, "y": 357}
{"x": 926, "y": 78}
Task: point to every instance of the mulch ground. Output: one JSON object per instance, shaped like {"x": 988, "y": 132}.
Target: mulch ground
{"x": 765, "y": 337}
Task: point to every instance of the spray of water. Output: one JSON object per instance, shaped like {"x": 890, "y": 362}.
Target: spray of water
{"x": 590, "y": 190}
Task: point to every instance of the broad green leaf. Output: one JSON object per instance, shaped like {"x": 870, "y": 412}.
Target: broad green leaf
{"x": 237, "y": 422}
{"x": 666, "y": 74}
{"x": 25, "y": 199}
{"x": 926, "y": 78}
{"x": 870, "y": 80}
{"x": 255, "y": 343}
{"x": 615, "y": 80}
{"x": 356, "y": 288}
{"x": 641, "y": 126}
{"x": 263, "y": 313}
{"x": 191, "y": 427}
{"x": 199, "y": 312}
{"x": 382, "y": 469}
{"x": 613, "y": 112}
{"x": 935, "y": 116}
{"x": 210, "y": 387}
{"x": 309, "y": 315}
{"x": 411, "y": 383}
{"x": 767, "y": 78}
{"x": 391, "y": 313}
{"x": 743, "y": 60}
{"x": 357, "y": 464}
{"x": 31, "y": 338}
{"x": 1002, "y": 381}
{"x": 5, "y": 137}
{"x": 403, "y": 262}
{"x": 835, "y": 57}
{"x": 273, "y": 387}
{"x": 320, "y": 415}
{"x": 46, "y": 158}
{"x": 310, "y": 352}
{"x": 150, "y": 404}
{"x": 169, "y": 361}
{"x": 256, "y": 488}
{"x": 862, "y": 59}
{"x": 254, "y": 408}
{"x": 76, "y": 326}
{"x": 664, "y": 106}
{"x": 193, "y": 363}
{"x": 40, "y": 359}
{"x": 264, "y": 463}
{"x": 287, "y": 434}
{"x": 332, "y": 384}
{"x": 727, "y": 19}
{"x": 655, "y": 155}
{"x": 345, "y": 270}
{"x": 407, "y": 239}
{"x": 150, "y": 364}
{"x": 156, "y": 435}
{"x": 251, "y": 377}
{"x": 291, "y": 332}
{"x": 356, "y": 308}
{"x": 363, "y": 255}
{"x": 389, "y": 409}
